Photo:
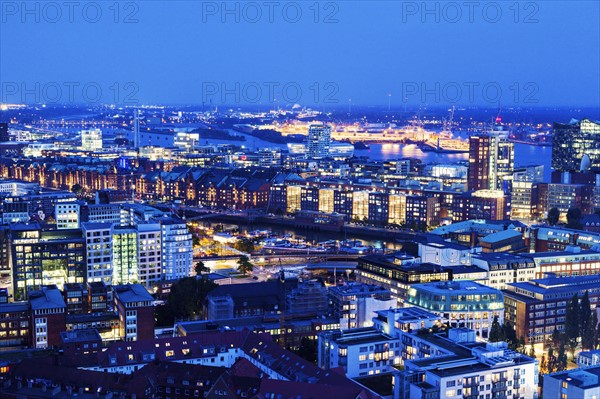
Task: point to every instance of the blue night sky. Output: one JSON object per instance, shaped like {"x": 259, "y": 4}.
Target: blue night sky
{"x": 542, "y": 53}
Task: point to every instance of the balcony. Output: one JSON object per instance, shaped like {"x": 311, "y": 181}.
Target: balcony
{"x": 499, "y": 387}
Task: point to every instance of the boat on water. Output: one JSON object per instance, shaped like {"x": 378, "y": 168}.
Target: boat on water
{"x": 445, "y": 146}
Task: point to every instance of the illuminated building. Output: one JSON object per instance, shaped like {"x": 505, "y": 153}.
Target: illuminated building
{"x": 318, "y": 141}
{"x": 99, "y": 251}
{"x": 360, "y": 205}
{"x": 149, "y": 253}
{"x": 491, "y": 162}
{"x": 465, "y": 304}
{"x": 538, "y": 307}
{"x": 354, "y": 304}
{"x": 574, "y": 383}
{"x": 524, "y": 199}
{"x": 125, "y": 255}
{"x": 67, "y": 215}
{"x": 41, "y": 257}
{"x": 91, "y": 140}
{"x": 473, "y": 370}
{"x": 326, "y": 200}
{"x": 483, "y": 204}
{"x": 397, "y": 272}
{"x": 360, "y": 351}
{"x": 177, "y": 251}
{"x": 294, "y": 198}
{"x": 133, "y": 303}
{"x": 572, "y": 141}
{"x": 397, "y": 209}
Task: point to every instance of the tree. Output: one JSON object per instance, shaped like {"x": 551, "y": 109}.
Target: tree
{"x": 557, "y": 338}
{"x": 201, "y": 268}
{"x": 496, "y": 331}
{"x": 572, "y": 319}
{"x": 76, "y": 189}
{"x": 574, "y": 218}
{"x": 187, "y": 297}
{"x": 553, "y": 216}
{"x": 532, "y": 352}
{"x": 510, "y": 335}
{"x": 585, "y": 314}
{"x": 589, "y": 338}
{"x": 551, "y": 361}
{"x": 308, "y": 349}
{"x": 561, "y": 359}
{"x": 244, "y": 245}
{"x": 244, "y": 265}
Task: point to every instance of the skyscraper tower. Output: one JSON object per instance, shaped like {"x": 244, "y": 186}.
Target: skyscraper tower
{"x": 573, "y": 140}
{"x": 318, "y": 141}
{"x": 491, "y": 161}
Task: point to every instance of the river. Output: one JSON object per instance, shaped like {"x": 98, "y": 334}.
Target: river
{"x": 524, "y": 154}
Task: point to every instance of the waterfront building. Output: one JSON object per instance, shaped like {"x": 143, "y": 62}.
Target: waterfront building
{"x": 573, "y": 140}
{"x": 318, "y": 141}
{"x": 491, "y": 162}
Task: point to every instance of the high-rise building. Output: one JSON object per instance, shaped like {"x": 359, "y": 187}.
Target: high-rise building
{"x": 491, "y": 161}
{"x": 91, "y": 140}
{"x": 149, "y": 253}
{"x": 125, "y": 255}
{"x": 573, "y": 140}
{"x": 318, "y": 141}
{"x": 99, "y": 251}
{"x": 177, "y": 251}
{"x": 45, "y": 257}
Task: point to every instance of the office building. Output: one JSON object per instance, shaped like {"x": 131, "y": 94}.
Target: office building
{"x": 99, "y": 251}
{"x": 67, "y": 215}
{"x": 359, "y": 351}
{"x": 91, "y": 140}
{"x": 355, "y": 304}
{"x": 149, "y": 253}
{"x": 318, "y": 141}
{"x": 503, "y": 268}
{"x": 45, "y": 257}
{"x": 573, "y": 140}
{"x": 398, "y": 272}
{"x": 125, "y": 255}
{"x": 538, "y": 307}
{"x": 48, "y": 316}
{"x": 491, "y": 162}
{"x": 136, "y": 312}
{"x": 177, "y": 252}
{"x": 463, "y": 303}
{"x": 481, "y": 205}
